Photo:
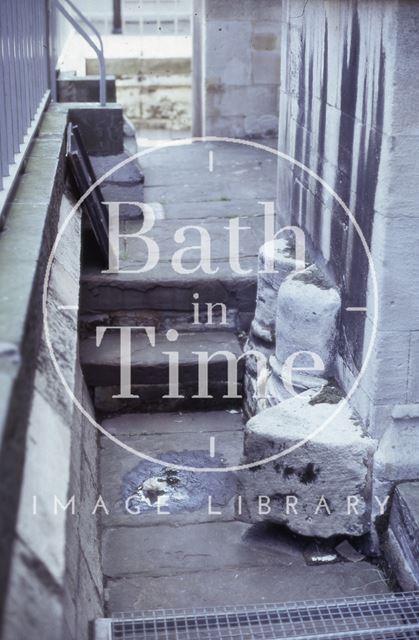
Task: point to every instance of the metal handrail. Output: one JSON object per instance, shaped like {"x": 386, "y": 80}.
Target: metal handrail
{"x": 97, "y": 49}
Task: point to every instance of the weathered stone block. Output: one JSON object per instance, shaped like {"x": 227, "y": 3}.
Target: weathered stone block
{"x": 46, "y": 475}
{"x": 33, "y": 607}
{"x": 327, "y": 465}
{"x": 396, "y": 458}
{"x": 264, "y": 125}
{"x": 276, "y": 261}
{"x": 306, "y": 316}
{"x": 266, "y": 67}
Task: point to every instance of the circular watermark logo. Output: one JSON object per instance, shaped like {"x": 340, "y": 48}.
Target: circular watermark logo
{"x": 373, "y": 303}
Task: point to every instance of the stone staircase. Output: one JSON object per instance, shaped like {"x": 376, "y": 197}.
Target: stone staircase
{"x": 150, "y": 371}
{"x": 195, "y": 550}
{"x": 209, "y": 308}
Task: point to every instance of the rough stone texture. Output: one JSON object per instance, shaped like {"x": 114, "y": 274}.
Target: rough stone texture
{"x": 162, "y": 550}
{"x": 334, "y": 463}
{"x": 245, "y": 585}
{"x": 127, "y": 175}
{"x": 34, "y": 600}
{"x": 150, "y": 398}
{"x": 178, "y": 180}
{"x": 191, "y": 557}
{"x": 401, "y": 541}
{"x": 55, "y": 453}
{"x": 150, "y": 365}
{"x": 345, "y": 93}
{"x": 239, "y": 71}
{"x": 306, "y": 317}
{"x": 396, "y": 458}
{"x": 280, "y": 256}
{"x": 123, "y": 185}
{"x": 29, "y": 230}
{"x": 178, "y": 438}
{"x": 150, "y": 371}
{"x": 275, "y": 262}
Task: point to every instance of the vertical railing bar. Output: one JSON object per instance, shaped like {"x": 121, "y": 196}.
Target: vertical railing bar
{"x": 51, "y": 15}
{"x": 4, "y": 133}
{"x": 8, "y": 84}
{"x": 36, "y": 60}
{"x": 18, "y": 54}
{"x": 40, "y": 67}
{"x": 24, "y": 82}
{"x": 44, "y": 31}
{"x": 14, "y": 63}
{"x": 27, "y": 59}
{"x": 21, "y": 106}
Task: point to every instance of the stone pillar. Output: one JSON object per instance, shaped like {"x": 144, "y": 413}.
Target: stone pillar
{"x": 240, "y": 68}
{"x": 276, "y": 261}
{"x": 306, "y": 324}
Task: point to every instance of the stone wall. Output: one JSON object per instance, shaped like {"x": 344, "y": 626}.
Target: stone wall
{"x": 236, "y": 72}
{"x": 50, "y": 568}
{"x": 348, "y": 112}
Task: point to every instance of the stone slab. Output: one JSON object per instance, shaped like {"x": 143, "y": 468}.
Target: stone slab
{"x": 192, "y": 155}
{"x": 154, "y": 424}
{"x": 162, "y": 288}
{"x": 122, "y": 472}
{"x": 244, "y": 585}
{"x": 133, "y": 192}
{"x": 167, "y": 550}
{"x": 127, "y": 175}
{"x": 225, "y": 188}
{"x": 101, "y": 365}
{"x": 150, "y": 398}
{"x": 328, "y": 459}
{"x": 211, "y": 234}
{"x": 212, "y": 209}
{"x": 259, "y": 170}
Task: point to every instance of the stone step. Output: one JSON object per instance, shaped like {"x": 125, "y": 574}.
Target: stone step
{"x": 150, "y": 370}
{"x": 162, "y": 291}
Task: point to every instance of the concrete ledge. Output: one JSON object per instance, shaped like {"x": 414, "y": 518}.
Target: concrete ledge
{"x": 25, "y": 242}
{"x": 84, "y": 89}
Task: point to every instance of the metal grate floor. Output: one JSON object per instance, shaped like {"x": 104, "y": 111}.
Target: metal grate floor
{"x": 383, "y": 617}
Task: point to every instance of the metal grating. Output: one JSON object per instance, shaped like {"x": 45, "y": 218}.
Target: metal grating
{"x": 383, "y": 617}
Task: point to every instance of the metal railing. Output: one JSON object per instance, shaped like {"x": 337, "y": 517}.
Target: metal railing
{"x": 28, "y": 76}
{"x": 24, "y": 81}
{"x": 82, "y": 31}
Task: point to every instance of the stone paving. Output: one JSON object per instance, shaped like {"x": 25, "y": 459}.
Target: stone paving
{"x": 194, "y": 552}
{"x": 189, "y": 557}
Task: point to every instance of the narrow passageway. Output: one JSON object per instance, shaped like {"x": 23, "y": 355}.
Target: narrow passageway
{"x": 171, "y": 538}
